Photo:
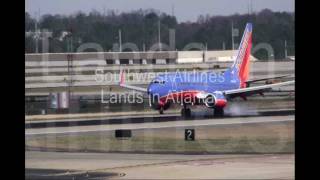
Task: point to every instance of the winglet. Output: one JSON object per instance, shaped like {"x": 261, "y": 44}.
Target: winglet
{"x": 122, "y": 83}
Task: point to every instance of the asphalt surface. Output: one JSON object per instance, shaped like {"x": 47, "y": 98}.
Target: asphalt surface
{"x": 148, "y": 119}
{"x": 53, "y": 165}
{"x": 52, "y": 174}
{"x": 157, "y": 125}
{"x": 74, "y": 165}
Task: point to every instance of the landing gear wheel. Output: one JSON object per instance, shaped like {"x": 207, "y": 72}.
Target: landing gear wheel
{"x": 218, "y": 112}
{"x": 161, "y": 110}
{"x": 185, "y": 112}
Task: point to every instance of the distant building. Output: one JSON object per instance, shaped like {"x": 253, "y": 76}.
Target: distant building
{"x": 208, "y": 56}
{"x": 149, "y": 57}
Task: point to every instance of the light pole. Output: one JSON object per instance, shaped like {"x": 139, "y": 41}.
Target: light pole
{"x": 37, "y": 35}
{"x": 37, "y": 32}
{"x": 285, "y": 49}
{"x": 159, "y": 35}
{"x": 120, "y": 41}
{"x": 232, "y": 35}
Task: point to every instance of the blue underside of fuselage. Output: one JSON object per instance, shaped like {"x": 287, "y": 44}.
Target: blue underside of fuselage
{"x": 208, "y": 82}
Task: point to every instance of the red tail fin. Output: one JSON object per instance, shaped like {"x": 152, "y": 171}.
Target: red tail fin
{"x": 245, "y": 65}
{"x": 242, "y": 62}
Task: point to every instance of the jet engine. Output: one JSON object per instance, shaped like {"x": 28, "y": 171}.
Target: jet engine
{"x": 210, "y": 100}
{"x": 156, "y": 104}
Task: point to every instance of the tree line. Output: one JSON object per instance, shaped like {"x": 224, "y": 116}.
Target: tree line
{"x": 141, "y": 28}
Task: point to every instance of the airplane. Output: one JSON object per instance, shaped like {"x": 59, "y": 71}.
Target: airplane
{"x": 205, "y": 88}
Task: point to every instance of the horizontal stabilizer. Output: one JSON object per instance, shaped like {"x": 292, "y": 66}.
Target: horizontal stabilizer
{"x": 122, "y": 83}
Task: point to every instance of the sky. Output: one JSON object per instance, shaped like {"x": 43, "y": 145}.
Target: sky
{"x": 184, "y": 10}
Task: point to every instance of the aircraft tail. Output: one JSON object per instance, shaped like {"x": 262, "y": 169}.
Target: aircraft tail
{"x": 241, "y": 64}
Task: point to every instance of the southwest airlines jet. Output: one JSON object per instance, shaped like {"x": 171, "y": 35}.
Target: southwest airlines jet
{"x": 205, "y": 88}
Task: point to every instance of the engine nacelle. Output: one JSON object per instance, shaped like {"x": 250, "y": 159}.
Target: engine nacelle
{"x": 156, "y": 103}
{"x": 212, "y": 100}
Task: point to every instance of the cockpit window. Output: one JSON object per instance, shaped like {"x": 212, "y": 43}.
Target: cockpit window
{"x": 158, "y": 82}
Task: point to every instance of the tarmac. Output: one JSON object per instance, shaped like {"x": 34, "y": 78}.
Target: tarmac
{"x": 133, "y": 165}
{"x": 158, "y": 166}
{"x": 157, "y": 125}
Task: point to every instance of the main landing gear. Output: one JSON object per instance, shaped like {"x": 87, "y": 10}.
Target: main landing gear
{"x": 185, "y": 112}
{"x": 218, "y": 112}
{"x": 161, "y": 110}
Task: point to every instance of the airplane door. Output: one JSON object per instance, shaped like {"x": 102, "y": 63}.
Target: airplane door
{"x": 174, "y": 86}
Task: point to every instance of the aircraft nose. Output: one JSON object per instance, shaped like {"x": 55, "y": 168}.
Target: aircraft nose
{"x": 151, "y": 89}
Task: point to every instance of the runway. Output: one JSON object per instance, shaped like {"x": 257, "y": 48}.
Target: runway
{"x": 230, "y": 148}
{"x": 150, "y": 166}
{"x": 158, "y": 125}
{"x": 85, "y": 120}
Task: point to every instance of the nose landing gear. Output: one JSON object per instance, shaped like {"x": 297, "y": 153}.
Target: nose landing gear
{"x": 185, "y": 112}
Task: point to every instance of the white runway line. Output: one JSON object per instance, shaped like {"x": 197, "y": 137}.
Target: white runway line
{"x": 158, "y": 125}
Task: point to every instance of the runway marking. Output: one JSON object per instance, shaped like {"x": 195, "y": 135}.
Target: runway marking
{"x": 158, "y": 125}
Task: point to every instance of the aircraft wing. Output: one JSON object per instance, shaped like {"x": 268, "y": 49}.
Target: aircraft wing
{"x": 255, "y": 89}
{"x": 268, "y": 78}
{"x": 122, "y": 84}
